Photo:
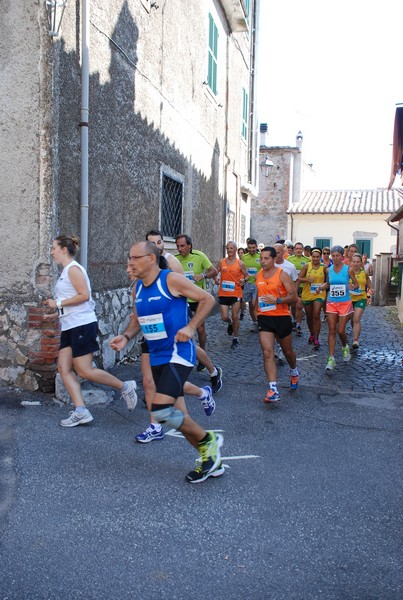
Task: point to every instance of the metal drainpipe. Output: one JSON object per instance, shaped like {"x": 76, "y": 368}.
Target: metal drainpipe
{"x": 397, "y": 237}
{"x": 84, "y": 126}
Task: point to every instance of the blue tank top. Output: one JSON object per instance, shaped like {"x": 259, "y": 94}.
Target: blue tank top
{"x": 338, "y": 291}
{"x": 161, "y": 315}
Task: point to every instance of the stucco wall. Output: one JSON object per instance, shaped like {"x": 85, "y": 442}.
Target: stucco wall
{"x": 150, "y": 111}
{"x": 24, "y": 135}
{"x": 344, "y": 229}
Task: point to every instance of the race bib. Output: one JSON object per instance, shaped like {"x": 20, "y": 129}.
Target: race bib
{"x": 314, "y": 287}
{"x": 153, "y": 327}
{"x": 189, "y": 275}
{"x": 265, "y": 307}
{"x": 337, "y": 291}
{"x": 252, "y": 271}
{"x": 228, "y": 286}
{"x": 355, "y": 292}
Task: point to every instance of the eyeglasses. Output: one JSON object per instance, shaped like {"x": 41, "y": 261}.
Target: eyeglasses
{"x": 325, "y": 252}
{"x": 138, "y": 257}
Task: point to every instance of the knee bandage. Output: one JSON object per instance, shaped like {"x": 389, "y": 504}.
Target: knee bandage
{"x": 170, "y": 416}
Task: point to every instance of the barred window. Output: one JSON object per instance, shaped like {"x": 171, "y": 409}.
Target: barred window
{"x": 243, "y": 228}
{"x": 171, "y": 206}
{"x": 231, "y": 225}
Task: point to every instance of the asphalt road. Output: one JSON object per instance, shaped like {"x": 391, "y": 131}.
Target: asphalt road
{"x": 308, "y": 508}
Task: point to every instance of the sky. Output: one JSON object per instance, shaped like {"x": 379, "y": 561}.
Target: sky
{"x": 333, "y": 71}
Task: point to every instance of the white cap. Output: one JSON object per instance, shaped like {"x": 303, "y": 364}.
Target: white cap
{"x": 288, "y": 243}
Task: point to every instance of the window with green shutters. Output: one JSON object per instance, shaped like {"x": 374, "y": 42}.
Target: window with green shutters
{"x": 212, "y": 55}
{"x": 364, "y": 247}
{"x": 247, "y": 10}
{"x": 245, "y": 113}
{"x": 322, "y": 242}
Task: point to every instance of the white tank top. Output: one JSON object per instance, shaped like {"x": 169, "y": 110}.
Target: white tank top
{"x": 73, "y": 316}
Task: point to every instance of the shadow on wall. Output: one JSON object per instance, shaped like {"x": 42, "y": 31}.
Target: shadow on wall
{"x": 126, "y": 154}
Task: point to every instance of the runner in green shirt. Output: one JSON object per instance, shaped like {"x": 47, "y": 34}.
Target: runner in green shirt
{"x": 196, "y": 267}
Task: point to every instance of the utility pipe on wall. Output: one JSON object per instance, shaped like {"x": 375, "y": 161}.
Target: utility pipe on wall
{"x": 84, "y": 125}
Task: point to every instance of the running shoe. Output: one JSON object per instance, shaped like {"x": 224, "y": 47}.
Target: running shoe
{"x": 311, "y": 339}
{"x": 331, "y": 363}
{"x": 241, "y": 316}
{"x": 207, "y": 400}
{"x": 230, "y": 328}
{"x": 150, "y": 434}
{"x": 324, "y": 318}
{"x": 316, "y": 344}
{"x": 210, "y": 455}
{"x": 355, "y": 345}
{"x": 77, "y": 418}
{"x": 255, "y": 328}
{"x": 298, "y": 330}
{"x": 200, "y": 367}
{"x": 346, "y": 353}
{"x": 129, "y": 395}
{"x": 200, "y": 474}
{"x": 216, "y": 380}
{"x": 294, "y": 382}
{"x": 272, "y": 396}
{"x": 235, "y": 344}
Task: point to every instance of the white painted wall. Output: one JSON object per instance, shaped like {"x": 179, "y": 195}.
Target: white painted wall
{"x": 344, "y": 229}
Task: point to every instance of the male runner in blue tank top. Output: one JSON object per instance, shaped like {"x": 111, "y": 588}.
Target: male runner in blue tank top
{"x": 161, "y": 313}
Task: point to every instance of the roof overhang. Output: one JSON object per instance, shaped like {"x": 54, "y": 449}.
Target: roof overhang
{"x": 396, "y": 216}
{"x": 235, "y": 12}
{"x": 397, "y": 152}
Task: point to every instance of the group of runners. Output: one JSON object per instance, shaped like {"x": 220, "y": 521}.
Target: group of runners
{"x": 279, "y": 284}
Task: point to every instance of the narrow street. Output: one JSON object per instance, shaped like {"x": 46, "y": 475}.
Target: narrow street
{"x": 309, "y": 507}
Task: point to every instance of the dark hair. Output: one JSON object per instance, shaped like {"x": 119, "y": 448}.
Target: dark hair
{"x": 316, "y": 249}
{"x": 163, "y": 263}
{"x": 307, "y": 247}
{"x": 71, "y": 242}
{"x": 270, "y": 249}
{"x": 299, "y": 244}
{"x": 252, "y": 241}
{"x": 154, "y": 232}
{"x": 188, "y": 239}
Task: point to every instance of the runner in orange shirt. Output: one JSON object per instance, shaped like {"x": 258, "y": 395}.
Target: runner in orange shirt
{"x": 275, "y": 292}
{"x": 232, "y": 277}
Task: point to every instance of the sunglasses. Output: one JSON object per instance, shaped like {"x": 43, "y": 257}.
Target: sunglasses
{"x": 325, "y": 252}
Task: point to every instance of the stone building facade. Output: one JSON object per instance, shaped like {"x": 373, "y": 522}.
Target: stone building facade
{"x": 279, "y": 188}
{"x": 172, "y": 144}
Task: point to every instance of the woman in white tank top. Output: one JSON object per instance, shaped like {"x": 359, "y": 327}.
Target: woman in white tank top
{"x": 79, "y": 327}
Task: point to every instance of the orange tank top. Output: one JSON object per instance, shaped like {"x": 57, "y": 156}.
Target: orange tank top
{"x": 230, "y": 276}
{"x": 271, "y": 287}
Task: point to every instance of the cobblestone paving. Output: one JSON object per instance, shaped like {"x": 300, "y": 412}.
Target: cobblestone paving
{"x": 376, "y": 367}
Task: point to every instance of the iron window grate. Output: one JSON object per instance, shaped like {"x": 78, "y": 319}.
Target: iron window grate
{"x": 171, "y": 206}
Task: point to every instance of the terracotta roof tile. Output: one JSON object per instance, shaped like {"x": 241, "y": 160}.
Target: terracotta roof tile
{"x": 380, "y": 200}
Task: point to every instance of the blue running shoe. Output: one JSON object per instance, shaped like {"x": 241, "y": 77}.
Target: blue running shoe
{"x": 294, "y": 382}
{"x": 149, "y": 435}
{"x": 207, "y": 400}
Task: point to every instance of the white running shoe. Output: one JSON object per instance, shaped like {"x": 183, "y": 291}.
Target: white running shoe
{"x": 129, "y": 395}
{"x": 331, "y": 363}
{"x": 346, "y": 353}
{"x": 77, "y": 418}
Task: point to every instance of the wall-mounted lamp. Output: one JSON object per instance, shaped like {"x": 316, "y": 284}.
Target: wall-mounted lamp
{"x": 55, "y": 11}
{"x": 266, "y": 166}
